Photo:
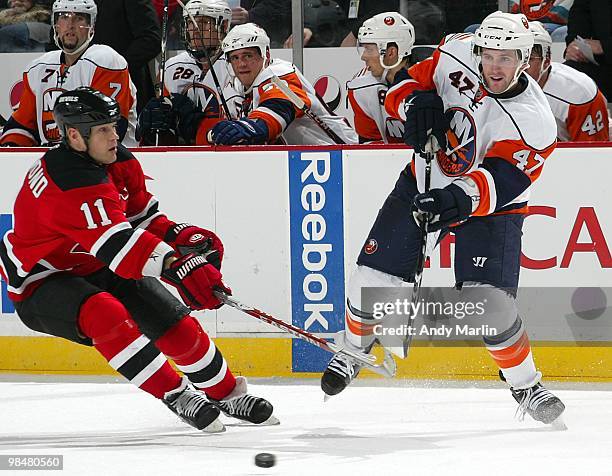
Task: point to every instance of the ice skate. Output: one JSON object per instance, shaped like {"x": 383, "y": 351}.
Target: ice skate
{"x": 239, "y": 404}
{"x": 341, "y": 370}
{"x": 539, "y": 403}
{"x": 192, "y": 406}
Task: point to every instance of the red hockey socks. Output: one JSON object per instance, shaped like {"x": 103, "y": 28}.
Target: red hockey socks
{"x": 198, "y": 358}
{"x": 105, "y": 320}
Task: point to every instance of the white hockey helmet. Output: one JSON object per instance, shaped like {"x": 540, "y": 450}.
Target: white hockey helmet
{"x": 218, "y": 10}
{"x": 386, "y": 28}
{"x": 86, "y": 7}
{"x": 542, "y": 38}
{"x": 247, "y": 35}
{"x": 504, "y": 31}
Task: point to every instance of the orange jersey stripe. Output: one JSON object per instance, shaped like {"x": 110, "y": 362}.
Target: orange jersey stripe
{"x": 589, "y": 122}
{"x": 485, "y": 193}
{"x": 116, "y": 84}
{"x": 205, "y": 125}
{"x": 275, "y": 128}
{"x": 26, "y": 110}
{"x": 268, "y": 90}
{"x": 364, "y": 125}
{"x": 525, "y": 158}
{"x": 422, "y": 79}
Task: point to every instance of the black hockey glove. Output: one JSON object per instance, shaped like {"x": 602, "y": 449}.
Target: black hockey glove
{"x": 424, "y": 117}
{"x": 155, "y": 118}
{"x": 189, "y": 117}
{"x": 445, "y": 206}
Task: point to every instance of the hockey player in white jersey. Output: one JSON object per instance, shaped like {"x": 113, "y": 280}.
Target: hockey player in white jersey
{"x": 268, "y": 114}
{"x": 495, "y": 130}
{"x": 76, "y": 63}
{"x": 386, "y": 41}
{"x": 579, "y": 107}
{"x": 191, "y": 98}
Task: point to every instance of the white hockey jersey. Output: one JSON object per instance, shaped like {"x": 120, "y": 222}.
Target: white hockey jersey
{"x": 580, "y": 108}
{"x": 366, "y": 96}
{"x": 268, "y": 103}
{"x": 500, "y": 142}
{"x": 184, "y": 75}
{"x": 99, "y": 67}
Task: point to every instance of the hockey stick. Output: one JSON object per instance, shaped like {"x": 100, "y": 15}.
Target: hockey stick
{"x": 297, "y": 102}
{"x": 386, "y": 368}
{"x": 159, "y": 88}
{"x": 430, "y": 149}
{"x": 211, "y": 68}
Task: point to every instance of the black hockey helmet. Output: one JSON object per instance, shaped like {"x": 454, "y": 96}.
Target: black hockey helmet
{"x": 84, "y": 108}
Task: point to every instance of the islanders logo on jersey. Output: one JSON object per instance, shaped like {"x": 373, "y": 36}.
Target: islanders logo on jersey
{"x": 460, "y": 151}
{"x": 394, "y": 130}
{"x": 49, "y": 127}
{"x": 205, "y": 98}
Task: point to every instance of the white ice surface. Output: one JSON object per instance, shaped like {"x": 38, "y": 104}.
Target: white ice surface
{"x": 113, "y": 428}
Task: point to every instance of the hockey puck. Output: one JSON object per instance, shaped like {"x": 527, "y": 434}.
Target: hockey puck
{"x": 265, "y": 460}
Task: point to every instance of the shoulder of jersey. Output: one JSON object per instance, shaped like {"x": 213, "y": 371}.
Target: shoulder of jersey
{"x": 105, "y": 57}
{"x": 363, "y": 79}
{"x": 279, "y": 68}
{"x": 455, "y": 40}
{"x": 182, "y": 58}
{"x": 459, "y": 47}
{"x": 69, "y": 171}
{"x": 49, "y": 58}
{"x": 569, "y": 85}
{"x": 531, "y": 115}
{"x": 124, "y": 154}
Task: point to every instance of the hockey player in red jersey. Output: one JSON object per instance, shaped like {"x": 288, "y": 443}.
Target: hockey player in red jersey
{"x": 191, "y": 104}
{"x": 386, "y": 40}
{"x": 580, "y": 109}
{"x": 474, "y": 98}
{"x": 83, "y": 261}
{"x": 76, "y": 63}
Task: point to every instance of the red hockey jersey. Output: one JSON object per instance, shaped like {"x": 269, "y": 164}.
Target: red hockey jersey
{"x": 76, "y": 216}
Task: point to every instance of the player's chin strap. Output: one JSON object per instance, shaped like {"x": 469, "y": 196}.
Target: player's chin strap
{"x": 386, "y": 69}
{"x": 543, "y": 71}
{"x": 81, "y": 48}
{"x": 386, "y": 368}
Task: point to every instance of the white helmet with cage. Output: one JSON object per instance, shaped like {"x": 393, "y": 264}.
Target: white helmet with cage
{"x": 85, "y": 7}
{"x": 247, "y": 35}
{"x": 216, "y": 10}
{"x": 384, "y": 29}
{"x": 542, "y": 38}
{"x": 504, "y": 31}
